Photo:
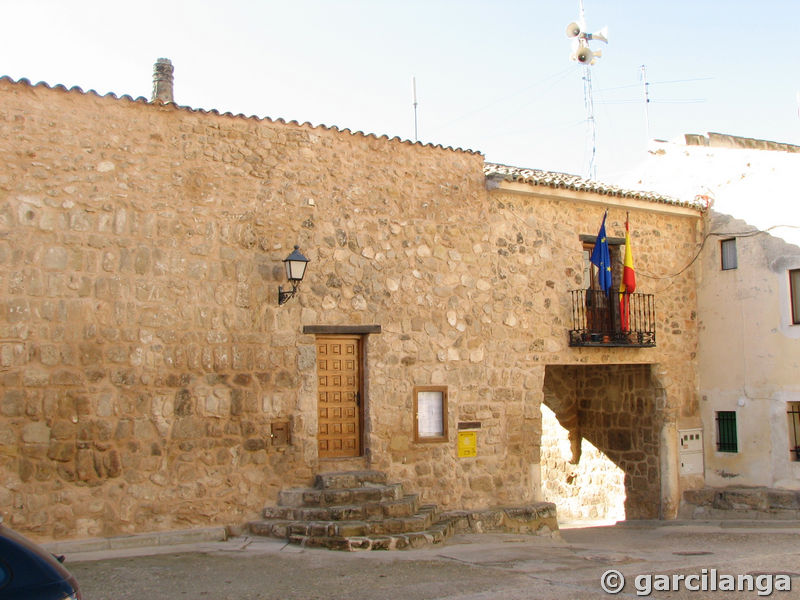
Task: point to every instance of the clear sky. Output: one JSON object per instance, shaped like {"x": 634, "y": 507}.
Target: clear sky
{"x": 492, "y": 76}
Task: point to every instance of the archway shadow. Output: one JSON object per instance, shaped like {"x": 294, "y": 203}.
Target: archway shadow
{"x": 591, "y": 491}
{"x": 615, "y": 407}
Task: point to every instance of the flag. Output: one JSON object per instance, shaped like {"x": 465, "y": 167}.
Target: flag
{"x": 601, "y": 258}
{"x": 628, "y": 284}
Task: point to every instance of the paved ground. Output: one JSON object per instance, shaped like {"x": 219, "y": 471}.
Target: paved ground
{"x": 468, "y": 567}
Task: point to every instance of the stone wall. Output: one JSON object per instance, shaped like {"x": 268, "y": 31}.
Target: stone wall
{"x": 144, "y": 359}
{"x": 593, "y": 489}
{"x": 741, "y": 503}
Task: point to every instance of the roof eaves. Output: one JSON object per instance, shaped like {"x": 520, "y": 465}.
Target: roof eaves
{"x": 553, "y": 179}
{"x": 213, "y": 111}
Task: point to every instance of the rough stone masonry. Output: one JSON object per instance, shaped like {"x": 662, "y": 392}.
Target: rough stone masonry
{"x": 144, "y": 359}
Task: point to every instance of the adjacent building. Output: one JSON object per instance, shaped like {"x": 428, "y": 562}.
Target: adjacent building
{"x": 748, "y": 305}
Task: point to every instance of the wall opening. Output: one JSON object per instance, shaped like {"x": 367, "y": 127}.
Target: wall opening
{"x": 609, "y": 412}
{"x": 591, "y": 490}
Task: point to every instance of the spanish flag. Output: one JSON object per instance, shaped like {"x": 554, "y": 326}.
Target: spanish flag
{"x": 628, "y": 284}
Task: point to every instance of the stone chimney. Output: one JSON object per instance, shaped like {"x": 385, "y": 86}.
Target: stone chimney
{"x": 162, "y": 81}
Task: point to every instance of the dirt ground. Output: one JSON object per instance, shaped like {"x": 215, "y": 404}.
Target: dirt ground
{"x": 468, "y": 567}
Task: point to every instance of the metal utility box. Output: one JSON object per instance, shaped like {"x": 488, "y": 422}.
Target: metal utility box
{"x": 691, "y": 451}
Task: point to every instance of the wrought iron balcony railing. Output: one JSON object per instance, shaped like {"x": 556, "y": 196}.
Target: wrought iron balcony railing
{"x": 600, "y": 319}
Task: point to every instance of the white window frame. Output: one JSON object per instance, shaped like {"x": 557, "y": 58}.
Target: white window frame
{"x": 728, "y": 258}
{"x": 794, "y": 295}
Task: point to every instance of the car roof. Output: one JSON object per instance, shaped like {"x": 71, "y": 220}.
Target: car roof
{"x": 29, "y": 563}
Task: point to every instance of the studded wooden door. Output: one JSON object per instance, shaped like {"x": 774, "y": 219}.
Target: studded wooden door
{"x": 339, "y": 400}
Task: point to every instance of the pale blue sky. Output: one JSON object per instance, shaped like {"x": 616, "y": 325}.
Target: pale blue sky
{"x": 492, "y": 76}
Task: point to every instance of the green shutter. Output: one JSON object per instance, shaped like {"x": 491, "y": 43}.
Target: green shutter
{"x": 726, "y": 431}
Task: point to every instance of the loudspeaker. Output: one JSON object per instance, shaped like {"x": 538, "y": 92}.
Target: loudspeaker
{"x": 573, "y": 30}
{"x": 584, "y": 55}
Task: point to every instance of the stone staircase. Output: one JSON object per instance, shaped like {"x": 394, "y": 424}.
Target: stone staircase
{"x": 359, "y": 510}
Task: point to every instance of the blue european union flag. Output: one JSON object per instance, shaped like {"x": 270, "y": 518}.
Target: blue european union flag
{"x": 601, "y": 258}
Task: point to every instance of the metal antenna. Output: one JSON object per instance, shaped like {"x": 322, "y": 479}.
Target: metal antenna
{"x": 646, "y": 102}
{"x": 414, "y": 85}
{"x": 582, "y": 53}
{"x": 588, "y": 100}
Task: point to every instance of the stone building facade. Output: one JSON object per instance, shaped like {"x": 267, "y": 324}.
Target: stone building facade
{"x": 150, "y": 380}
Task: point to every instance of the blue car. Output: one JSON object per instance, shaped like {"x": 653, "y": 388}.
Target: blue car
{"x": 29, "y": 572}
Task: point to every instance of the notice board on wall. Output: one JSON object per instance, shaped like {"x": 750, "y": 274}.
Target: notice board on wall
{"x": 430, "y": 414}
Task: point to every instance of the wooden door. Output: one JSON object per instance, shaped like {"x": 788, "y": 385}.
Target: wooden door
{"x": 339, "y": 411}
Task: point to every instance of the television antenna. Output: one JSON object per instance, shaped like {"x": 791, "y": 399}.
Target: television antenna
{"x": 583, "y": 54}
{"x": 646, "y": 88}
{"x": 414, "y": 86}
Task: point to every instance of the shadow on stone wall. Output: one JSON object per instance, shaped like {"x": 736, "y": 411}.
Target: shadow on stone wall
{"x": 591, "y": 490}
{"x": 615, "y": 408}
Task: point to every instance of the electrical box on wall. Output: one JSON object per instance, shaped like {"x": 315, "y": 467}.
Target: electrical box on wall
{"x": 280, "y": 433}
{"x": 691, "y": 451}
{"x": 691, "y": 464}
{"x": 691, "y": 440}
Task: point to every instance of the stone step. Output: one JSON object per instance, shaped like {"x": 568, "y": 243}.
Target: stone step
{"x": 300, "y": 497}
{"x": 354, "y": 535}
{"x": 358, "y": 510}
{"x": 431, "y": 509}
{"x": 419, "y": 522}
{"x": 538, "y": 518}
{"x": 349, "y": 479}
{"x": 278, "y": 527}
{"x": 740, "y": 503}
{"x": 406, "y": 506}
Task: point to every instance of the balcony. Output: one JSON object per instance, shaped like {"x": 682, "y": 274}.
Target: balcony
{"x": 599, "y": 319}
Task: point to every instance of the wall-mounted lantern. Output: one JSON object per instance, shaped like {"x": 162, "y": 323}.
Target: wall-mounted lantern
{"x": 295, "y": 270}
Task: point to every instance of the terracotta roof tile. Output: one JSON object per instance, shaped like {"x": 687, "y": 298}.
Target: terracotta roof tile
{"x": 554, "y": 179}
{"x": 142, "y": 100}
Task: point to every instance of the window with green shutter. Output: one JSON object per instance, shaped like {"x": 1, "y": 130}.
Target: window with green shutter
{"x": 726, "y": 431}
{"x": 793, "y": 413}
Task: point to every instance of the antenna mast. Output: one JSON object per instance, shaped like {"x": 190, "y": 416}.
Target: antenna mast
{"x": 646, "y": 85}
{"x": 414, "y": 86}
{"x": 583, "y": 54}
{"x": 588, "y": 101}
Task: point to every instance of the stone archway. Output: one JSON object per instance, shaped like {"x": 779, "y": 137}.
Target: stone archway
{"x": 614, "y": 407}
